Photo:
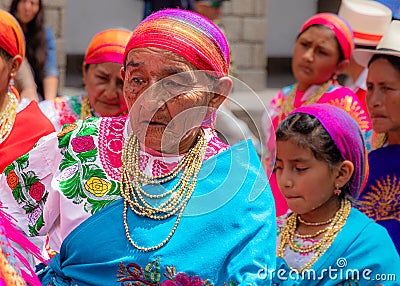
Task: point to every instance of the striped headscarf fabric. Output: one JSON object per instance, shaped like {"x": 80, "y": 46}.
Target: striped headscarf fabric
{"x": 348, "y": 138}
{"x": 11, "y": 36}
{"x": 187, "y": 34}
{"x": 338, "y": 26}
{"x": 107, "y": 46}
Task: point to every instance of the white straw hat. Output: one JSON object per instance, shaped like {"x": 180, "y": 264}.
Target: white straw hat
{"x": 389, "y": 45}
{"x": 368, "y": 19}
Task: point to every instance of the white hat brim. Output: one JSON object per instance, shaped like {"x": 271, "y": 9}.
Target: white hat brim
{"x": 363, "y": 56}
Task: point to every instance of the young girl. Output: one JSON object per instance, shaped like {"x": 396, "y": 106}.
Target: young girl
{"x": 321, "y": 52}
{"x": 320, "y": 169}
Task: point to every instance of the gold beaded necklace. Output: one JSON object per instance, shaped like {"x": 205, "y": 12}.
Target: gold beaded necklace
{"x": 288, "y": 234}
{"x": 314, "y": 223}
{"x": 288, "y": 104}
{"x": 7, "y": 117}
{"x": 176, "y": 198}
{"x": 85, "y": 108}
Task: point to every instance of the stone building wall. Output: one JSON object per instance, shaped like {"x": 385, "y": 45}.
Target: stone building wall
{"x": 54, "y": 14}
{"x": 245, "y": 23}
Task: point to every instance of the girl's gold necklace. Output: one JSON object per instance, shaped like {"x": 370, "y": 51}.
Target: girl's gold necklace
{"x": 289, "y": 232}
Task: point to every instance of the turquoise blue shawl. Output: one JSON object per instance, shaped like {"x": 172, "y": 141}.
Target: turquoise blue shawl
{"x": 227, "y": 234}
{"x": 362, "y": 254}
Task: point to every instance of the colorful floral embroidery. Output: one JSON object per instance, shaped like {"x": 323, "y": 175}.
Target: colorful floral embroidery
{"x": 28, "y": 192}
{"x": 88, "y": 184}
{"x": 383, "y": 200}
{"x": 133, "y": 274}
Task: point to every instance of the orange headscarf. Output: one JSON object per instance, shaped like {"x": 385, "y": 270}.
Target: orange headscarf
{"x": 107, "y": 46}
{"x": 11, "y": 36}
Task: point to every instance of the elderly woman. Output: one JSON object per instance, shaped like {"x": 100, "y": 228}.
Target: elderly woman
{"x": 21, "y": 122}
{"x": 102, "y": 80}
{"x": 153, "y": 198}
{"x": 380, "y": 197}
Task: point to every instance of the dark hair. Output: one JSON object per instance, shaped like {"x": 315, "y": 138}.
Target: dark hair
{"x": 341, "y": 55}
{"x": 36, "y": 42}
{"x": 5, "y": 55}
{"x": 393, "y": 60}
{"x": 308, "y": 132}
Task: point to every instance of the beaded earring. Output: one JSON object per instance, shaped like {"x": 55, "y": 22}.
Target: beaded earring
{"x": 337, "y": 191}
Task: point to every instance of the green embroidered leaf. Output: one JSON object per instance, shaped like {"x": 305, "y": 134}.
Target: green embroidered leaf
{"x": 33, "y": 231}
{"x": 63, "y": 141}
{"x": 28, "y": 207}
{"x": 67, "y": 161}
{"x": 115, "y": 188}
{"x": 96, "y": 205}
{"x": 72, "y": 188}
{"x": 40, "y": 223}
{"x": 152, "y": 272}
{"x": 93, "y": 170}
{"x": 88, "y": 156}
{"x": 18, "y": 194}
{"x": 88, "y": 130}
{"x": 9, "y": 168}
{"x": 23, "y": 161}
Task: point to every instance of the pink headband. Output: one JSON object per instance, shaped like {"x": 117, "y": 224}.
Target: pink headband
{"x": 349, "y": 142}
{"x": 338, "y": 26}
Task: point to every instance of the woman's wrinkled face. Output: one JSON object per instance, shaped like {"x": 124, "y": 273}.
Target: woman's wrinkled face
{"x": 27, "y": 10}
{"x": 315, "y": 57}
{"x": 103, "y": 85}
{"x": 383, "y": 96}
{"x": 163, "y": 94}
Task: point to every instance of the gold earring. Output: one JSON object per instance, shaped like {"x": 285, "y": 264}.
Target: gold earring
{"x": 337, "y": 191}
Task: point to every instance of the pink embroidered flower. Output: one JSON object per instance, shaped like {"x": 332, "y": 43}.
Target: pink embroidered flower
{"x": 36, "y": 191}
{"x": 182, "y": 279}
{"x": 82, "y": 144}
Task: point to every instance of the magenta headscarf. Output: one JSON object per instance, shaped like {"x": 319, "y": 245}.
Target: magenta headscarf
{"x": 338, "y": 26}
{"x": 347, "y": 136}
{"x": 187, "y": 34}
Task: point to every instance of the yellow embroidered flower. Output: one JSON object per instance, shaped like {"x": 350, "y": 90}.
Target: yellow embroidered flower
{"x": 97, "y": 186}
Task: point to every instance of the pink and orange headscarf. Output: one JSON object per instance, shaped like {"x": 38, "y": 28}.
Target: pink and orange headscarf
{"x": 187, "y": 34}
{"x": 348, "y": 138}
{"x": 107, "y": 46}
{"x": 338, "y": 26}
{"x": 11, "y": 36}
